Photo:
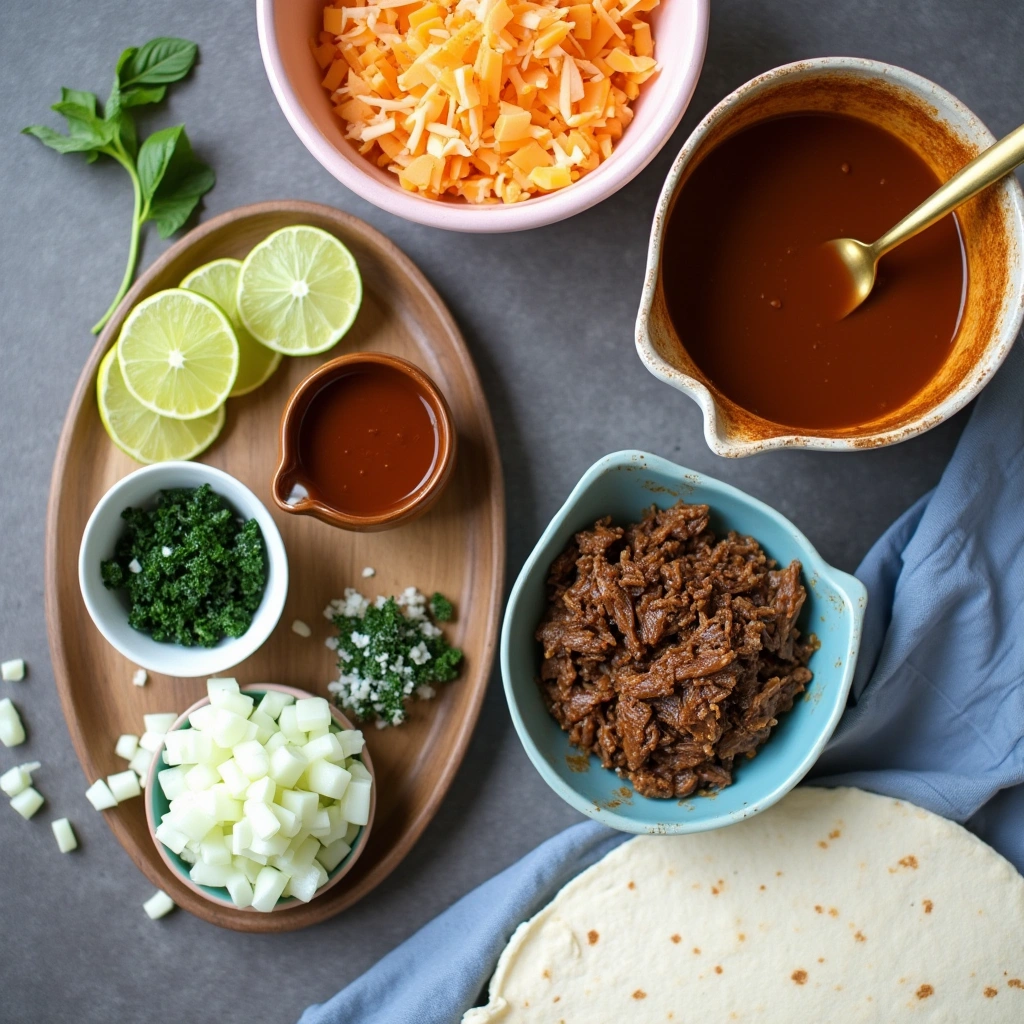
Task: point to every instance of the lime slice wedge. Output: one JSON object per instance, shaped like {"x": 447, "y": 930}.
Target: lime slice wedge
{"x": 178, "y": 354}
{"x": 218, "y": 281}
{"x": 142, "y": 434}
{"x": 299, "y": 291}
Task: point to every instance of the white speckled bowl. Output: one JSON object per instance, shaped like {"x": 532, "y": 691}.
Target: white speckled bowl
{"x": 946, "y": 135}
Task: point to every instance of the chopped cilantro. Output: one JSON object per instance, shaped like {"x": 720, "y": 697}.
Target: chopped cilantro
{"x": 193, "y": 572}
{"x": 441, "y": 608}
{"x": 389, "y": 651}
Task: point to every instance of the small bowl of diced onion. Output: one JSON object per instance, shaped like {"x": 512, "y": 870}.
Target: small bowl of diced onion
{"x": 261, "y": 797}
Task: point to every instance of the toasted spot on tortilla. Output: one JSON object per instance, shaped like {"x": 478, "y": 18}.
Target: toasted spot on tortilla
{"x": 859, "y": 936}
{"x": 762, "y": 888}
{"x": 818, "y": 908}
{"x": 741, "y": 937}
{"x": 677, "y": 939}
{"x": 823, "y": 844}
{"x": 696, "y": 950}
{"x": 800, "y": 977}
{"x": 1015, "y": 983}
{"x": 632, "y": 885}
{"x": 639, "y": 994}
{"x": 833, "y": 911}
{"x": 715, "y": 890}
{"x": 991, "y": 993}
{"x": 927, "y": 904}
{"x": 547, "y": 973}
{"x": 834, "y": 834}
{"x": 910, "y": 861}
{"x": 592, "y": 936}
{"x": 557, "y": 999}
{"x": 718, "y": 969}
{"x": 924, "y": 992}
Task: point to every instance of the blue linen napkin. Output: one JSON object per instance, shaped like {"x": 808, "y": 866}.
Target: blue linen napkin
{"x": 936, "y": 714}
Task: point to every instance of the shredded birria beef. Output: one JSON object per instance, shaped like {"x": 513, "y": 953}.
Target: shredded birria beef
{"x": 669, "y": 653}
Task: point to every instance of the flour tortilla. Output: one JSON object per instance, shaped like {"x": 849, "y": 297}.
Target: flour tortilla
{"x": 835, "y": 905}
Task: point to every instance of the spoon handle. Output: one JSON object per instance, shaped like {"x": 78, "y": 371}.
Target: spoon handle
{"x": 981, "y": 172}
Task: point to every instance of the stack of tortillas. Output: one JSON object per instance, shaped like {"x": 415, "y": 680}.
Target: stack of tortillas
{"x": 835, "y": 905}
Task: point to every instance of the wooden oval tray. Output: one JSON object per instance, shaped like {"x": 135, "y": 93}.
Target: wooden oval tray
{"x": 458, "y": 548}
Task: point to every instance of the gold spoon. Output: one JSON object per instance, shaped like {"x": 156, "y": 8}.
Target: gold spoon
{"x": 860, "y": 260}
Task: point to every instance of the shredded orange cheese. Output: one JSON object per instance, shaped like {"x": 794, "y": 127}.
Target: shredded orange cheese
{"x": 491, "y": 100}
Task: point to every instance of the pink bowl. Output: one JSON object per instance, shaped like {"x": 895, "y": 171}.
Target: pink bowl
{"x": 286, "y": 26}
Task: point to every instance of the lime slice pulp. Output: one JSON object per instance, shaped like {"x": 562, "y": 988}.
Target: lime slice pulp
{"x": 299, "y": 291}
{"x": 178, "y": 354}
{"x": 142, "y": 434}
{"x": 218, "y": 281}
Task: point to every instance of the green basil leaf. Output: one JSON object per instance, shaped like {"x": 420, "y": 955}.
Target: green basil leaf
{"x": 155, "y": 156}
{"x": 62, "y": 143}
{"x": 127, "y": 134}
{"x": 84, "y": 124}
{"x": 184, "y": 182}
{"x": 158, "y": 62}
{"x": 137, "y": 96}
{"x": 80, "y": 99}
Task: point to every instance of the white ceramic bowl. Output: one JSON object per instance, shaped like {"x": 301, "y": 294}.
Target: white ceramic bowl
{"x": 947, "y": 135}
{"x": 109, "y": 608}
{"x": 285, "y": 27}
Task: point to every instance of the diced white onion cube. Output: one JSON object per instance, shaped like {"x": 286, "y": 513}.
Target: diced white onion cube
{"x": 331, "y": 856}
{"x": 13, "y": 781}
{"x": 351, "y": 833}
{"x": 226, "y": 809}
{"x": 286, "y": 765}
{"x": 234, "y": 778}
{"x": 171, "y": 837}
{"x": 300, "y": 627}
{"x": 139, "y": 677}
{"x": 202, "y": 718}
{"x": 272, "y": 847}
{"x": 240, "y": 890}
{"x": 158, "y": 905}
{"x": 303, "y": 884}
{"x": 27, "y": 802}
{"x": 12, "y": 732}
{"x": 201, "y": 777}
{"x": 214, "y": 850}
{"x": 151, "y": 741}
{"x": 252, "y": 758}
{"x": 99, "y": 795}
{"x": 12, "y": 671}
{"x": 355, "y": 807}
{"x": 301, "y": 803}
{"x": 141, "y": 761}
{"x": 265, "y": 823}
{"x": 312, "y": 713}
{"x": 172, "y": 782}
{"x": 135, "y": 566}
{"x": 265, "y": 725}
{"x": 321, "y": 825}
{"x": 239, "y": 703}
{"x": 126, "y": 746}
{"x": 161, "y": 723}
{"x": 191, "y": 820}
{"x": 326, "y": 747}
{"x": 358, "y": 770}
{"x": 290, "y": 822}
{"x": 273, "y": 702}
{"x": 210, "y": 874}
{"x": 249, "y": 868}
{"x": 262, "y": 790}
{"x": 351, "y": 741}
{"x": 328, "y": 779}
{"x": 221, "y": 684}
{"x": 277, "y": 740}
{"x": 241, "y": 836}
{"x": 267, "y": 891}
{"x": 65, "y": 835}
{"x": 288, "y": 722}
{"x": 124, "y": 785}
{"x": 227, "y": 728}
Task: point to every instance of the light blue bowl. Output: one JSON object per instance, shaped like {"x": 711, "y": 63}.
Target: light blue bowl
{"x": 622, "y": 485}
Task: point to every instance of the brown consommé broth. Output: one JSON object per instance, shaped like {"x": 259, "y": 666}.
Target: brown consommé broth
{"x": 367, "y": 441}
{"x": 754, "y": 297}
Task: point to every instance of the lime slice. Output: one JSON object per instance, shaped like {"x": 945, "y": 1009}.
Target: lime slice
{"x": 178, "y": 354}
{"x": 299, "y": 291}
{"x": 218, "y": 281}
{"x": 142, "y": 434}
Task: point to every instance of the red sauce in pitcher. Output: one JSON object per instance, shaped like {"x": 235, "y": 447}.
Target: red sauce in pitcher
{"x": 755, "y": 297}
{"x": 367, "y": 441}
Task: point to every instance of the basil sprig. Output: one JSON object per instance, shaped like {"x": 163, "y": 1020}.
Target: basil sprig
{"x": 167, "y": 179}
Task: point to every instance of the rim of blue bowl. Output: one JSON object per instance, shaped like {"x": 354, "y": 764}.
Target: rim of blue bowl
{"x": 853, "y": 592}
{"x": 218, "y": 893}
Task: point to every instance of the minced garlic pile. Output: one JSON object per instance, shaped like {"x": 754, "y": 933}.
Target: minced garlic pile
{"x": 492, "y": 100}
